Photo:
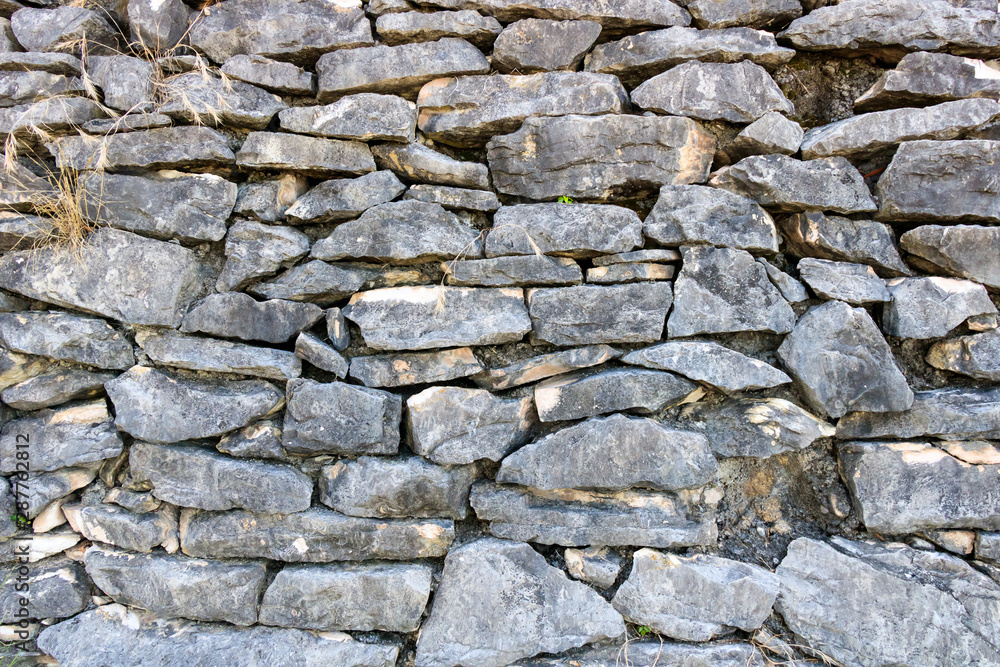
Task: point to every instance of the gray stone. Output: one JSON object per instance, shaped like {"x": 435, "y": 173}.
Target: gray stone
{"x": 539, "y": 45}
{"x": 421, "y": 318}
{"x": 140, "y": 502}
{"x": 637, "y": 256}
{"x": 336, "y": 329}
{"x": 157, "y": 407}
{"x": 298, "y": 32}
{"x": 695, "y": 598}
{"x": 454, "y": 198}
{"x": 170, "y": 205}
{"x": 194, "y": 353}
{"x": 115, "y": 635}
{"x": 313, "y": 156}
{"x": 691, "y": 214}
{"x": 11, "y": 304}
{"x": 769, "y": 134}
{"x": 51, "y": 588}
{"x": 160, "y": 25}
{"x": 64, "y": 337}
{"x": 161, "y": 148}
{"x": 17, "y": 368}
{"x": 620, "y": 15}
{"x": 977, "y": 356}
{"x": 8, "y": 43}
{"x": 121, "y": 527}
{"x": 416, "y": 162}
{"x": 856, "y": 284}
{"x": 405, "y": 27}
{"x": 268, "y": 200}
{"x": 54, "y": 115}
{"x": 344, "y": 199}
{"x": 862, "y": 136}
{"x": 467, "y": 111}
{"x": 931, "y": 307}
{"x": 988, "y": 546}
{"x": 339, "y": 418}
{"x": 27, "y": 87}
{"x": 652, "y": 653}
{"x": 63, "y": 30}
{"x": 790, "y": 185}
{"x": 23, "y": 190}
{"x": 762, "y": 14}
{"x": 639, "y": 57}
{"x": 399, "y": 370}
{"x": 321, "y": 355}
{"x": 587, "y": 394}
{"x": 613, "y": 518}
{"x": 517, "y": 271}
{"x": 237, "y": 315}
{"x": 261, "y": 440}
{"x": 814, "y": 234}
{"x": 108, "y": 276}
{"x": 277, "y": 77}
{"x": 949, "y": 413}
{"x": 597, "y": 565}
{"x": 629, "y": 273}
{"x": 455, "y": 425}
{"x": 599, "y": 157}
{"x": 382, "y": 596}
{"x": 544, "y": 366}
{"x": 37, "y": 491}
{"x": 908, "y": 487}
{"x": 711, "y": 363}
{"x": 399, "y": 70}
{"x": 329, "y": 283}
{"x": 314, "y": 536}
{"x": 723, "y": 290}
{"x": 132, "y": 122}
{"x": 879, "y": 591}
{"x": 841, "y": 362}
{"x": 500, "y": 601}
{"x": 19, "y": 231}
{"x": 589, "y": 314}
{"x": 172, "y": 586}
{"x": 254, "y": 250}
{"x": 361, "y": 117}
{"x": 55, "y": 439}
{"x": 643, "y": 454}
{"x": 401, "y": 232}
{"x": 377, "y": 8}
{"x": 755, "y": 427}
{"x": 568, "y": 230}
{"x": 127, "y": 83}
{"x": 921, "y": 79}
{"x": 411, "y": 487}
{"x": 55, "y": 387}
{"x": 210, "y": 100}
{"x": 965, "y": 251}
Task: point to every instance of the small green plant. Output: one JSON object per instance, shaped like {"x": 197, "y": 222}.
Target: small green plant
{"x": 19, "y": 519}
{"x": 565, "y": 200}
{"x": 643, "y": 630}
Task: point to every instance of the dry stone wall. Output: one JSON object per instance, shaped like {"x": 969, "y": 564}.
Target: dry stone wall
{"x": 499, "y": 332}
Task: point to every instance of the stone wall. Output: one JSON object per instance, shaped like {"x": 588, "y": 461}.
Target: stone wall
{"x": 500, "y": 332}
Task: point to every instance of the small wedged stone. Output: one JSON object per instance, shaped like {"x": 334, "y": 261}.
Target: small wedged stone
{"x": 400, "y": 370}
{"x": 336, "y": 329}
{"x": 539, "y": 45}
{"x": 841, "y": 362}
{"x": 421, "y": 318}
{"x": 326, "y": 284}
{"x": 695, "y": 598}
{"x": 467, "y": 111}
{"x": 643, "y": 454}
{"x": 65, "y": 337}
{"x": 55, "y": 115}
{"x": 755, "y": 427}
{"x": 406, "y": 27}
{"x": 977, "y": 356}
{"x": 568, "y": 230}
{"x": 790, "y": 185}
{"x": 364, "y": 421}
{"x": 454, "y": 198}
{"x": 856, "y": 284}
{"x": 255, "y": 250}
{"x": 637, "y": 58}
{"x": 158, "y": 407}
{"x": 624, "y": 14}
{"x": 814, "y": 234}
{"x": 573, "y": 518}
{"x": 691, "y": 214}
{"x": 416, "y": 162}
{"x": 587, "y": 394}
{"x": 606, "y": 157}
{"x": 210, "y": 100}
{"x": 160, "y": 25}
{"x": 737, "y": 93}
{"x": 314, "y": 156}
{"x": 373, "y": 486}
{"x": 194, "y": 353}
{"x": 949, "y": 413}
{"x": 966, "y": 251}
{"x": 127, "y": 83}
{"x": 321, "y": 355}
{"x": 64, "y": 30}
{"x": 597, "y": 565}
{"x": 261, "y": 440}
{"x": 17, "y": 368}
{"x": 629, "y": 273}
{"x": 638, "y": 256}
{"x": 711, "y": 363}
{"x": 345, "y": 198}
{"x": 160, "y": 148}
{"x": 54, "y": 387}
{"x": 401, "y": 232}
{"x": 988, "y": 546}
{"x": 51, "y": 588}
{"x": 400, "y": 70}
{"x": 268, "y": 200}
{"x": 924, "y": 308}
{"x": 177, "y": 586}
{"x": 455, "y": 425}
{"x": 55, "y": 439}
{"x": 317, "y": 535}
{"x": 53, "y": 63}
{"x": 360, "y": 117}
{"x": 237, "y": 315}
{"x": 921, "y": 79}
{"x": 771, "y": 133}
{"x": 544, "y": 366}
{"x": 361, "y": 597}
{"x": 761, "y": 14}
{"x": 272, "y": 75}
{"x": 120, "y": 527}
{"x": 589, "y": 314}
{"x": 500, "y": 601}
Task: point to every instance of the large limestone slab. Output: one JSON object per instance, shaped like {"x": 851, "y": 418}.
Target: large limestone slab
{"x": 210, "y": 100}
{"x": 55, "y": 439}
{"x": 923, "y": 78}
{"x": 361, "y": 117}
{"x": 538, "y": 45}
{"x": 345, "y": 198}
{"x": 814, "y": 234}
{"x": 711, "y": 363}
{"x": 187, "y": 147}
{"x": 544, "y": 366}
{"x": 587, "y": 394}
{"x": 55, "y": 387}
{"x": 18, "y": 87}
{"x": 482, "y": 614}
{"x": 407, "y": 368}
{"x": 762, "y": 14}
{"x": 977, "y": 356}
{"x": 416, "y": 162}
{"x": 956, "y": 413}
{"x": 238, "y": 315}
{"x": 315, "y": 156}
{"x": 64, "y": 30}
{"x": 326, "y": 284}
{"x": 405, "y": 27}
{"x": 461, "y": 199}
{"x": 966, "y": 251}
{"x": 513, "y": 271}
{"x": 568, "y": 230}
{"x": 589, "y": 314}
{"x": 599, "y": 157}
{"x": 931, "y": 307}
{"x": 618, "y": 15}
{"x": 64, "y": 337}
{"x": 55, "y": 115}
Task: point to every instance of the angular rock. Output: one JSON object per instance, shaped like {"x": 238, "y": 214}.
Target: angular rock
{"x": 931, "y": 307}
{"x": 194, "y": 353}
{"x": 543, "y": 366}
{"x": 160, "y": 25}
{"x": 120, "y": 527}
{"x": 711, "y": 363}
{"x": 988, "y": 546}
{"x": 23, "y": 190}
{"x": 17, "y": 368}
{"x": 63, "y": 30}
{"x": 977, "y": 356}
{"x": 261, "y": 440}
{"x": 454, "y": 198}
{"x": 8, "y": 43}
{"x": 132, "y": 122}
{"x": 467, "y": 111}
{"x": 21, "y": 232}
{"x": 814, "y": 234}
{"x": 54, "y": 439}
{"x": 769, "y": 134}
{"x": 313, "y": 156}
{"x": 841, "y": 362}
{"x": 790, "y": 185}
{"x": 568, "y": 230}
{"x": 659, "y": 653}
{"x": 210, "y": 100}
{"x": 162, "y": 148}
{"x": 154, "y": 406}
{"x": 336, "y": 329}
{"x": 539, "y": 45}
{"x": 321, "y": 355}
{"x": 237, "y": 315}
{"x": 268, "y": 200}
{"x": 56, "y": 114}
{"x": 126, "y": 82}
{"x": 254, "y": 250}
{"x": 599, "y": 157}
{"x": 597, "y": 565}
{"x": 691, "y": 214}
{"x": 856, "y": 284}
{"x": 921, "y": 79}
{"x": 55, "y": 387}
{"x": 588, "y": 394}
{"x": 629, "y": 273}
{"x": 517, "y": 271}
{"x": 589, "y": 314}
{"x": 328, "y": 283}
{"x": 361, "y": 117}
{"x": 39, "y": 492}
{"x": 623, "y": 14}
{"x": 399, "y": 70}
{"x": 64, "y": 337}
{"x": 277, "y": 77}
{"x": 482, "y": 611}
{"x": 454, "y": 425}
{"x": 405, "y": 27}
{"x": 399, "y": 370}
{"x": 51, "y": 588}
{"x": 949, "y": 413}
{"x": 421, "y": 318}
{"x": 27, "y": 87}
{"x": 416, "y": 162}
{"x": 966, "y": 251}
{"x": 761, "y": 14}
{"x": 382, "y": 596}
{"x": 344, "y": 199}
{"x": 695, "y": 598}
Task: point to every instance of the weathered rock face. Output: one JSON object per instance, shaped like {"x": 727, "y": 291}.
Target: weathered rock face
{"x": 966, "y": 251}
{"x": 120, "y": 527}
{"x": 55, "y": 439}
{"x": 206, "y": 354}
{"x": 344, "y": 199}
{"x": 514, "y": 271}
{"x": 543, "y": 366}
{"x": 814, "y": 234}
{"x": 361, "y": 117}
{"x": 599, "y": 158}
{"x": 921, "y": 79}
{"x": 162, "y": 148}
{"x": 825, "y": 586}
{"x": 406, "y": 27}
{"x": 326, "y": 284}
{"x": 57, "y": 586}
{"x": 626, "y": 14}
{"x": 57, "y": 114}
{"x": 236, "y": 315}
{"x": 254, "y": 250}
{"x": 398, "y": 370}
{"x": 539, "y": 45}
{"x": 587, "y": 394}
{"x": 977, "y": 356}
{"x": 454, "y": 198}
{"x": 569, "y": 230}
{"x": 763, "y": 14}
{"x": 593, "y": 314}
{"x": 321, "y": 355}
{"x": 160, "y": 26}
{"x": 960, "y": 414}
{"x": 315, "y": 156}
{"x": 65, "y": 337}
{"x": 693, "y": 214}
{"x": 490, "y": 576}
{"x": 277, "y": 77}
{"x": 214, "y": 101}
{"x": 55, "y": 387}
{"x": 416, "y": 162}
{"x": 856, "y": 284}
{"x": 16, "y": 368}
{"x": 710, "y": 363}
{"x": 597, "y": 565}
{"x": 931, "y": 307}
{"x": 63, "y": 29}
{"x": 268, "y": 200}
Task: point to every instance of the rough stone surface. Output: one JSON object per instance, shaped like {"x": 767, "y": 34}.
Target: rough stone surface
{"x": 255, "y": 250}
{"x": 260, "y": 440}
{"x": 977, "y": 356}
{"x": 326, "y": 284}
{"x": 625, "y": 14}
{"x": 55, "y": 387}
{"x": 587, "y": 314}
{"x": 277, "y": 77}
{"x": 406, "y": 27}
{"x": 57, "y": 587}
{"x": 856, "y": 284}
{"x": 544, "y": 366}
{"x": 540, "y": 45}
{"x": 587, "y": 394}
{"x": 658, "y": 653}
{"x": 64, "y": 337}
{"x": 399, "y": 370}
{"x": 761, "y": 14}
{"x": 931, "y": 307}
{"x": 416, "y": 162}
{"x": 921, "y": 79}
{"x": 361, "y": 117}
{"x": 513, "y": 271}
{"x": 344, "y": 199}
{"x": 814, "y": 234}
{"x": 60, "y": 438}
{"x": 121, "y": 527}
{"x": 693, "y": 214}
{"x": 210, "y": 100}
{"x": 127, "y": 82}
{"x": 454, "y": 198}
{"x": 958, "y": 413}
{"x": 62, "y": 30}
{"x": 597, "y": 565}
{"x": 966, "y": 251}
{"x": 321, "y": 355}
{"x": 315, "y": 156}
{"x": 629, "y": 273}
{"x": 711, "y": 363}
{"x": 236, "y": 315}
{"x": 169, "y": 348}
{"x": 769, "y": 134}
{"x": 161, "y": 148}
{"x": 569, "y": 230}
